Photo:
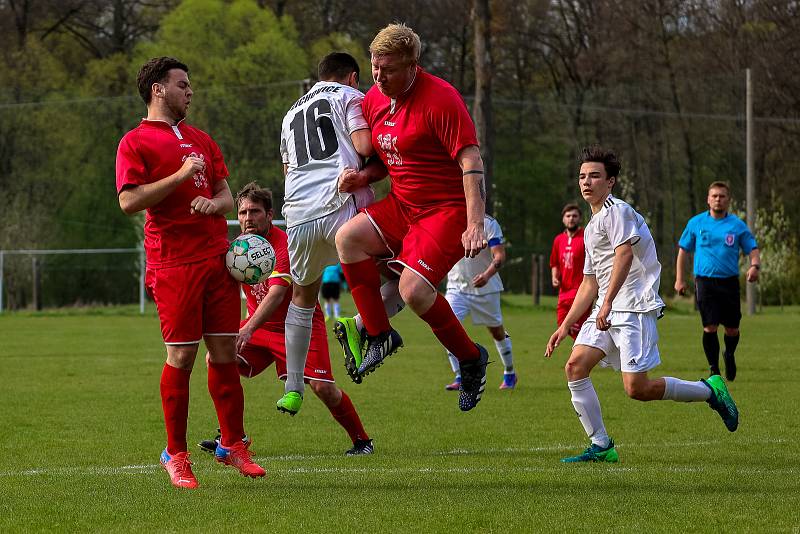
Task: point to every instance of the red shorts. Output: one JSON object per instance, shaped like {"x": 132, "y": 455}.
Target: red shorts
{"x": 427, "y": 241}
{"x": 195, "y": 300}
{"x": 267, "y": 346}
{"x": 561, "y": 313}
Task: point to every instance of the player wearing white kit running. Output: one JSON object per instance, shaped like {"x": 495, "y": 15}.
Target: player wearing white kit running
{"x": 323, "y": 133}
{"x": 473, "y": 288}
{"x": 622, "y": 271}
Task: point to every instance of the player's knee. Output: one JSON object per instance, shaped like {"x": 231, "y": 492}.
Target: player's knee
{"x": 344, "y": 237}
{"x": 711, "y": 329}
{"x": 327, "y": 392}
{"x": 731, "y": 332}
{"x": 575, "y": 370}
{"x": 638, "y": 391}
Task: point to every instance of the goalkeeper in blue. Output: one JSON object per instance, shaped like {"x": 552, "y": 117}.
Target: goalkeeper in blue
{"x": 622, "y": 273}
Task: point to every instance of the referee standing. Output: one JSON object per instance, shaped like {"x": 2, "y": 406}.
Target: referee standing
{"x": 715, "y": 237}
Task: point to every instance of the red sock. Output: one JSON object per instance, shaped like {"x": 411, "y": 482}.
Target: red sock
{"x": 175, "y": 403}
{"x": 226, "y": 391}
{"x": 365, "y": 286}
{"x": 448, "y": 330}
{"x": 346, "y": 415}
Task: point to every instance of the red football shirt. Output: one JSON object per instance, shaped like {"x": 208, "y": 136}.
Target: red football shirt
{"x": 568, "y": 255}
{"x": 172, "y": 234}
{"x": 418, "y": 137}
{"x": 256, "y": 293}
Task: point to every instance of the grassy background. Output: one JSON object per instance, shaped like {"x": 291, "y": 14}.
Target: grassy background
{"x": 83, "y": 429}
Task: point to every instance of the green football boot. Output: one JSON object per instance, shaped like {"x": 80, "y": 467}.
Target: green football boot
{"x": 290, "y": 403}
{"x": 722, "y": 402}
{"x": 595, "y": 453}
{"x": 352, "y": 342}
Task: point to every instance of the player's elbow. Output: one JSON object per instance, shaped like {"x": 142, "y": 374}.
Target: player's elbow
{"x": 127, "y": 203}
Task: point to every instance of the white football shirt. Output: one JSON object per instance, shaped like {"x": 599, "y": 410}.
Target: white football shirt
{"x": 316, "y": 147}
{"x": 460, "y": 276}
{"x": 612, "y": 226}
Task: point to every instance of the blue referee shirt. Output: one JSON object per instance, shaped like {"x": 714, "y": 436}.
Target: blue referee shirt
{"x": 716, "y": 244}
{"x": 332, "y": 274}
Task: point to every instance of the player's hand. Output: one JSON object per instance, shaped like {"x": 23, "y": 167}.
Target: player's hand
{"x": 243, "y": 338}
{"x": 474, "y": 239}
{"x": 555, "y": 340}
{"x": 752, "y": 274}
{"x": 351, "y": 179}
{"x": 480, "y": 280}
{"x": 602, "y": 317}
{"x": 556, "y": 282}
{"x": 203, "y": 206}
{"x": 680, "y": 287}
{"x": 191, "y": 166}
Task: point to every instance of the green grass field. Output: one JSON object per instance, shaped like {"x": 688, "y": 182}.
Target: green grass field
{"x": 82, "y": 431}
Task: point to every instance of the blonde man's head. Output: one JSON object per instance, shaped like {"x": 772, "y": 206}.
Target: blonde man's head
{"x": 397, "y": 39}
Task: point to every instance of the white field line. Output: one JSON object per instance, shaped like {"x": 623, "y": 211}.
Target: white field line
{"x": 271, "y": 460}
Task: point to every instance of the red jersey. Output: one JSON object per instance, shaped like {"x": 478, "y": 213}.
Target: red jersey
{"x": 172, "y": 234}
{"x": 568, "y": 255}
{"x": 418, "y": 137}
{"x": 280, "y": 276}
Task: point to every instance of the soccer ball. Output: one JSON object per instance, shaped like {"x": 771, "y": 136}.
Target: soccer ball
{"x": 250, "y": 259}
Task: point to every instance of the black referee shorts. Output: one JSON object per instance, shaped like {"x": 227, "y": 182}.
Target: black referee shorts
{"x": 331, "y": 290}
{"x": 718, "y": 300}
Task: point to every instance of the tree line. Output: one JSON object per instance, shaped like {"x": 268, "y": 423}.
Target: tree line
{"x": 661, "y": 81}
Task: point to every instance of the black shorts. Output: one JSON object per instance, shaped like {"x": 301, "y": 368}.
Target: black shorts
{"x": 718, "y": 300}
{"x": 331, "y": 290}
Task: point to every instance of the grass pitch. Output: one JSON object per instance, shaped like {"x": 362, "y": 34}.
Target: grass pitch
{"x": 82, "y": 431}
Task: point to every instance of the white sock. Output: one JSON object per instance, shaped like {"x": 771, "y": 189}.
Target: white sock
{"x": 587, "y": 406}
{"x": 685, "y": 391}
{"x": 298, "y": 338}
{"x": 504, "y": 349}
{"x": 337, "y": 309}
{"x": 392, "y": 302}
{"x": 454, "y": 365}
{"x": 327, "y": 309}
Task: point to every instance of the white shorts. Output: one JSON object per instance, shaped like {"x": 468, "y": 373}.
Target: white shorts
{"x": 484, "y": 309}
{"x": 312, "y": 244}
{"x": 630, "y": 345}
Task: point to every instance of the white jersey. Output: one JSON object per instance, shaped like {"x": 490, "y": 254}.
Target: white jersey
{"x": 316, "y": 147}
{"x": 460, "y": 276}
{"x": 612, "y": 226}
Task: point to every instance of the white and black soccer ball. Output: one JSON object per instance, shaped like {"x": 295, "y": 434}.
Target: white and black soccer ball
{"x": 250, "y": 259}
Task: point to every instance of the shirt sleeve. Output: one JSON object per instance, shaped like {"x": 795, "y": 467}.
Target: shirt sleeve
{"x": 280, "y": 275}
{"x": 588, "y": 267}
{"x": 494, "y": 234}
{"x": 554, "y": 253}
{"x": 130, "y": 167}
{"x": 354, "y": 113}
{"x": 621, "y": 225}
{"x": 687, "y": 240}
{"x": 746, "y": 240}
{"x": 451, "y": 124}
{"x": 284, "y": 151}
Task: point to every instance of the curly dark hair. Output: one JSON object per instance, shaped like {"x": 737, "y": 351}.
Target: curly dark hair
{"x": 598, "y": 154}
{"x": 156, "y": 70}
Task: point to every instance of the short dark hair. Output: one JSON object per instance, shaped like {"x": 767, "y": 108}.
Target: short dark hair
{"x": 720, "y": 185}
{"x": 598, "y": 154}
{"x": 255, "y": 193}
{"x": 571, "y": 207}
{"x": 156, "y": 70}
{"x": 337, "y": 65}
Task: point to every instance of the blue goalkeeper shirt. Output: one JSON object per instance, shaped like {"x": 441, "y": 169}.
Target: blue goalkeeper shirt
{"x": 332, "y": 274}
{"x": 716, "y": 244}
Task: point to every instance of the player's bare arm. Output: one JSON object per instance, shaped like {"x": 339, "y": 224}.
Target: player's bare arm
{"x": 680, "y": 271}
{"x": 351, "y": 179}
{"x": 755, "y": 266}
{"x": 498, "y": 258}
{"x": 138, "y": 198}
{"x": 471, "y": 163}
{"x": 220, "y": 203}
{"x": 584, "y": 299}
{"x": 555, "y": 276}
{"x": 264, "y": 311}
{"x": 362, "y": 142}
{"x": 623, "y": 258}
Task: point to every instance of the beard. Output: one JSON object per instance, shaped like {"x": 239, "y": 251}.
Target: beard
{"x": 572, "y": 227}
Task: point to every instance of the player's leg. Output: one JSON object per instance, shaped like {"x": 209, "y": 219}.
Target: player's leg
{"x": 502, "y": 342}
{"x": 460, "y": 306}
{"x": 298, "y": 337}
{"x": 486, "y": 311}
{"x": 709, "y": 307}
{"x": 343, "y": 411}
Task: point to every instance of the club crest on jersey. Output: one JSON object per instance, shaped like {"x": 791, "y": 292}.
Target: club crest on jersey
{"x": 389, "y": 146}
{"x": 200, "y": 181}
{"x": 729, "y": 238}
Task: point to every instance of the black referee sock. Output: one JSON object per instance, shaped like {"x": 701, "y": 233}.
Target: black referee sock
{"x": 730, "y": 343}
{"x": 711, "y": 348}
